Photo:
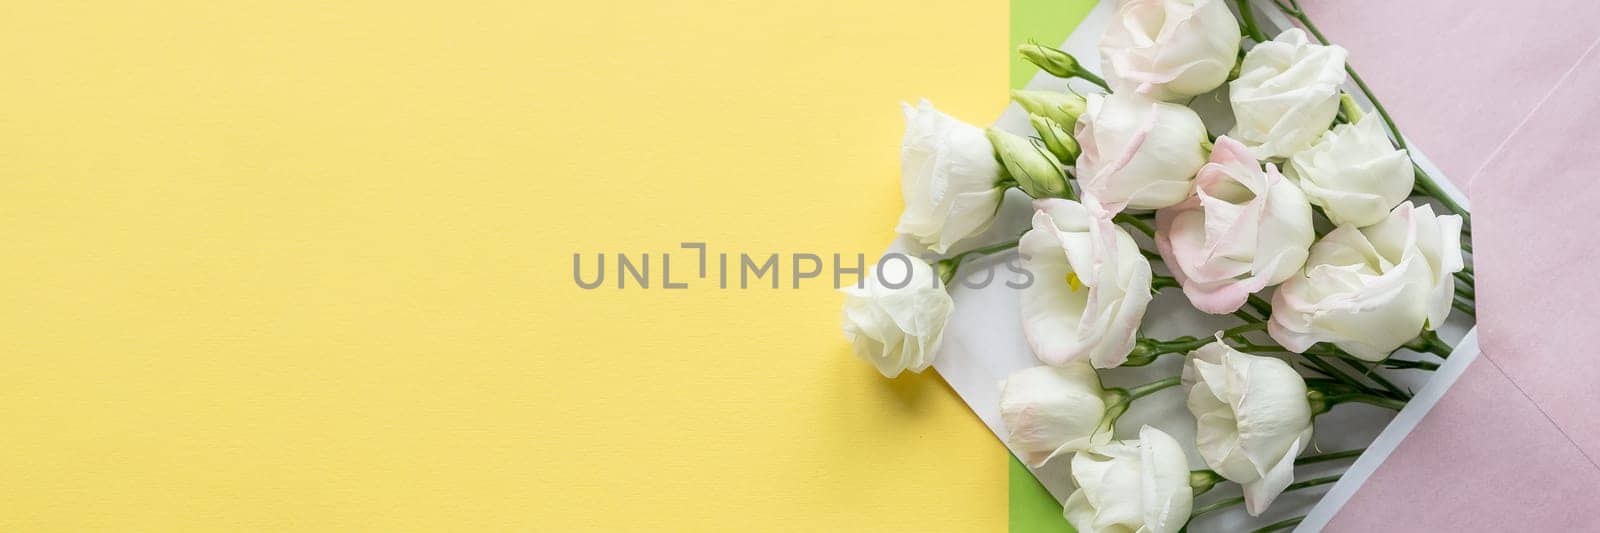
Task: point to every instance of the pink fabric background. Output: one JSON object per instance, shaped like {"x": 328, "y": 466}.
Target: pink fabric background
{"x": 1505, "y": 97}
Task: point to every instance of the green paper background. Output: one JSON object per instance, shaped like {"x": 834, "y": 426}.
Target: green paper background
{"x": 1048, "y": 22}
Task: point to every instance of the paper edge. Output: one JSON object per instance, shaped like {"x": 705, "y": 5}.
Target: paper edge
{"x": 1393, "y": 434}
{"x": 1465, "y": 352}
{"x": 1404, "y": 422}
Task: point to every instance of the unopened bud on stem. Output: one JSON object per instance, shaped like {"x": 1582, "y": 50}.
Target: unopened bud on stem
{"x": 1063, "y": 108}
{"x": 1058, "y": 63}
{"x": 1034, "y": 168}
{"x": 1055, "y": 138}
{"x": 1347, "y": 107}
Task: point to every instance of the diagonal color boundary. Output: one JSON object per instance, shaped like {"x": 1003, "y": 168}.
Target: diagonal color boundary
{"x": 1032, "y": 508}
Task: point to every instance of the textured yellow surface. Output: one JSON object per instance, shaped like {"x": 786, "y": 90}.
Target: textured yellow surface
{"x": 307, "y": 265}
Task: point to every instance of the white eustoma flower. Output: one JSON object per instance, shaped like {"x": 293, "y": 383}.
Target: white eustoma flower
{"x": 1244, "y": 230}
{"x": 1170, "y": 49}
{"x": 1286, "y": 95}
{"x": 1370, "y": 290}
{"x": 1053, "y": 410}
{"x": 948, "y": 176}
{"x": 1253, "y": 419}
{"x": 1354, "y": 173}
{"x": 897, "y": 320}
{"x": 1090, "y": 288}
{"x": 1138, "y": 152}
{"x": 1131, "y": 486}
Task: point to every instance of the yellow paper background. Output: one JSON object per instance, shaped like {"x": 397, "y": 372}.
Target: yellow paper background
{"x": 307, "y": 265}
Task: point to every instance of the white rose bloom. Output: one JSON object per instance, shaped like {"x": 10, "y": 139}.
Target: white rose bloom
{"x": 1353, "y": 173}
{"x": 1090, "y": 286}
{"x": 1138, "y": 152}
{"x": 1244, "y": 230}
{"x": 897, "y": 329}
{"x": 1131, "y": 486}
{"x": 1170, "y": 49}
{"x": 1049, "y": 411}
{"x": 1370, "y": 290}
{"x": 1253, "y": 419}
{"x": 1286, "y": 95}
{"x": 949, "y": 178}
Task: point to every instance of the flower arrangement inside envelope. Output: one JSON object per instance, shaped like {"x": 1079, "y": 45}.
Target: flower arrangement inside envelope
{"x": 1229, "y": 168}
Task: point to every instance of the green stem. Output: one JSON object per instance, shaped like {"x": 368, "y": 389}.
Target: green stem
{"x": 1364, "y": 369}
{"x": 1215, "y": 506}
{"x": 947, "y": 267}
{"x": 1137, "y": 223}
{"x": 1429, "y": 342}
{"x": 1324, "y": 395}
{"x": 1280, "y": 525}
{"x": 1386, "y": 403}
{"x": 1402, "y": 363}
{"x": 1151, "y": 387}
{"x": 1118, "y": 400}
{"x": 1425, "y": 182}
{"x": 1240, "y": 330}
{"x": 1092, "y": 78}
{"x": 1157, "y": 283}
{"x": 1389, "y": 362}
{"x": 1261, "y": 305}
{"x": 1146, "y": 351}
{"x": 1332, "y": 456}
{"x": 1230, "y": 502}
{"x": 1340, "y": 376}
{"x": 1465, "y": 306}
{"x": 1249, "y": 19}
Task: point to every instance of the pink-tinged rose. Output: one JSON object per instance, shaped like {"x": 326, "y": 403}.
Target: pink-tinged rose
{"x": 1170, "y": 49}
{"x": 1138, "y": 153}
{"x": 1244, "y": 230}
{"x": 1370, "y": 290}
{"x": 1091, "y": 285}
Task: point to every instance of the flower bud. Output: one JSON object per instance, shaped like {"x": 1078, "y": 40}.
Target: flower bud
{"x": 1202, "y": 481}
{"x": 1058, "y": 63}
{"x": 1348, "y": 108}
{"x": 1035, "y": 170}
{"x": 1063, "y": 108}
{"x": 1055, "y": 138}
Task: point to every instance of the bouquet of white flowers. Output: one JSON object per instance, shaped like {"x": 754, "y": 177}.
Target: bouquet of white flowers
{"x": 1307, "y": 221}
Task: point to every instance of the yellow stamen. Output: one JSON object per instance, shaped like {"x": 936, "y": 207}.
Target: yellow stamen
{"x": 1073, "y": 282}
